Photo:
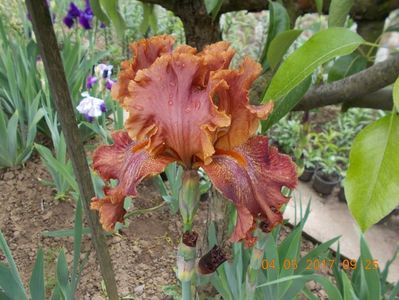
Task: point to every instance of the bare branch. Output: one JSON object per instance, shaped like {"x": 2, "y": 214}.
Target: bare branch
{"x": 353, "y": 89}
{"x": 381, "y": 99}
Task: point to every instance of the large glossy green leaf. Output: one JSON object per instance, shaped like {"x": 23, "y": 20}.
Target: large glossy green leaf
{"x": 283, "y": 106}
{"x": 320, "y": 48}
{"x": 396, "y": 94}
{"x": 98, "y": 11}
{"x": 279, "y": 46}
{"x": 111, "y": 9}
{"x": 346, "y": 66}
{"x": 279, "y": 21}
{"x": 213, "y": 7}
{"x": 338, "y": 12}
{"x": 36, "y": 284}
{"x": 372, "y": 182}
{"x": 149, "y": 19}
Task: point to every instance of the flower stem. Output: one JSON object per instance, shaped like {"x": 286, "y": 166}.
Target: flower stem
{"x": 254, "y": 265}
{"x": 186, "y": 254}
{"x": 186, "y": 290}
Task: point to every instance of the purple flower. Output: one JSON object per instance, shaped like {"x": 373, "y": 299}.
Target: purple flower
{"x": 73, "y": 10}
{"x": 68, "y": 21}
{"x": 103, "y": 108}
{"x": 85, "y": 18}
{"x": 109, "y": 84}
{"x": 88, "y": 118}
{"x": 72, "y": 14}
{"x": 90, "y": 81}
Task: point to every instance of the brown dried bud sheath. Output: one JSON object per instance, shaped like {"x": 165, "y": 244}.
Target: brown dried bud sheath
{"x": 190, "y": 238}
{"x": 211, "y": 261}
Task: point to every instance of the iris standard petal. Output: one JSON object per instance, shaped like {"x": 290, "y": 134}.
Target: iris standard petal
{"x": 252, "y": 176}
{"x": 145, "y": 52}
{"x": 167, "y": 106}
{"x": 235, "y": 102}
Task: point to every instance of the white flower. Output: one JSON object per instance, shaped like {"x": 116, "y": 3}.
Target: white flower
{"x": 103, "y": 71}
{"x": 91, "y": 107}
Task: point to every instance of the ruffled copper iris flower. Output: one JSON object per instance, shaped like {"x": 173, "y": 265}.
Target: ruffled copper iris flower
{"x": 189, "y": 107}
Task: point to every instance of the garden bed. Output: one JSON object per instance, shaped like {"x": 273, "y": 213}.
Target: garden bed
{"x": 143, "y": 255}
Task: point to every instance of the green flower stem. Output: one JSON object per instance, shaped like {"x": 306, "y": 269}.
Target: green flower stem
{"x": 186, "y": 268}
{"x": 186, "y": 290}
{"x": 255, "y": 264}
{"x": 188, "y": 203}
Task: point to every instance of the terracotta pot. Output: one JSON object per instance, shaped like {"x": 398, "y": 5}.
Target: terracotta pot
{"x": 324, "y": 184}
{"x": 306, "y": 175}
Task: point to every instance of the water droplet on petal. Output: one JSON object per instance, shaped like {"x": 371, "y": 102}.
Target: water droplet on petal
{"x": 170, "y": 102}
{"x": 188, "y": 109}
{"x": 197, "y": 105}
{"x": 138, "y": 107}
{"x": 183, "y": 65}
{"x": 172, "y": 83}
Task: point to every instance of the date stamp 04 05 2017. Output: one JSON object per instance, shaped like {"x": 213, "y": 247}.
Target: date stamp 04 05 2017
{"x": 318, "y": 264}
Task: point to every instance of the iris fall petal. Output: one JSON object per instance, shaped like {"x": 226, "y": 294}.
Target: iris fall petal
{"x": 252, "y": 175}
{"x": 129, "y": 163}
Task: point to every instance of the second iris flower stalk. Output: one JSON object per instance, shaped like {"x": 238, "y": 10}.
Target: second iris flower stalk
{"x": 189, "y": 199}
{"x": 186, "y": 255}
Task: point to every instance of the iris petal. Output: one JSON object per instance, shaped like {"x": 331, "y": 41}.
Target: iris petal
{"x": 252, "y": 175}
{"x": 167, "y": 106}
{"x": 145, "y": 52}
{"x": 235, "y": 102}
{"x": 129, "y": 163}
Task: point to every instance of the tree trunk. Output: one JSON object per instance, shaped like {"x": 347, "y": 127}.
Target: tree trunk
{"x": 199, "y": 27}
